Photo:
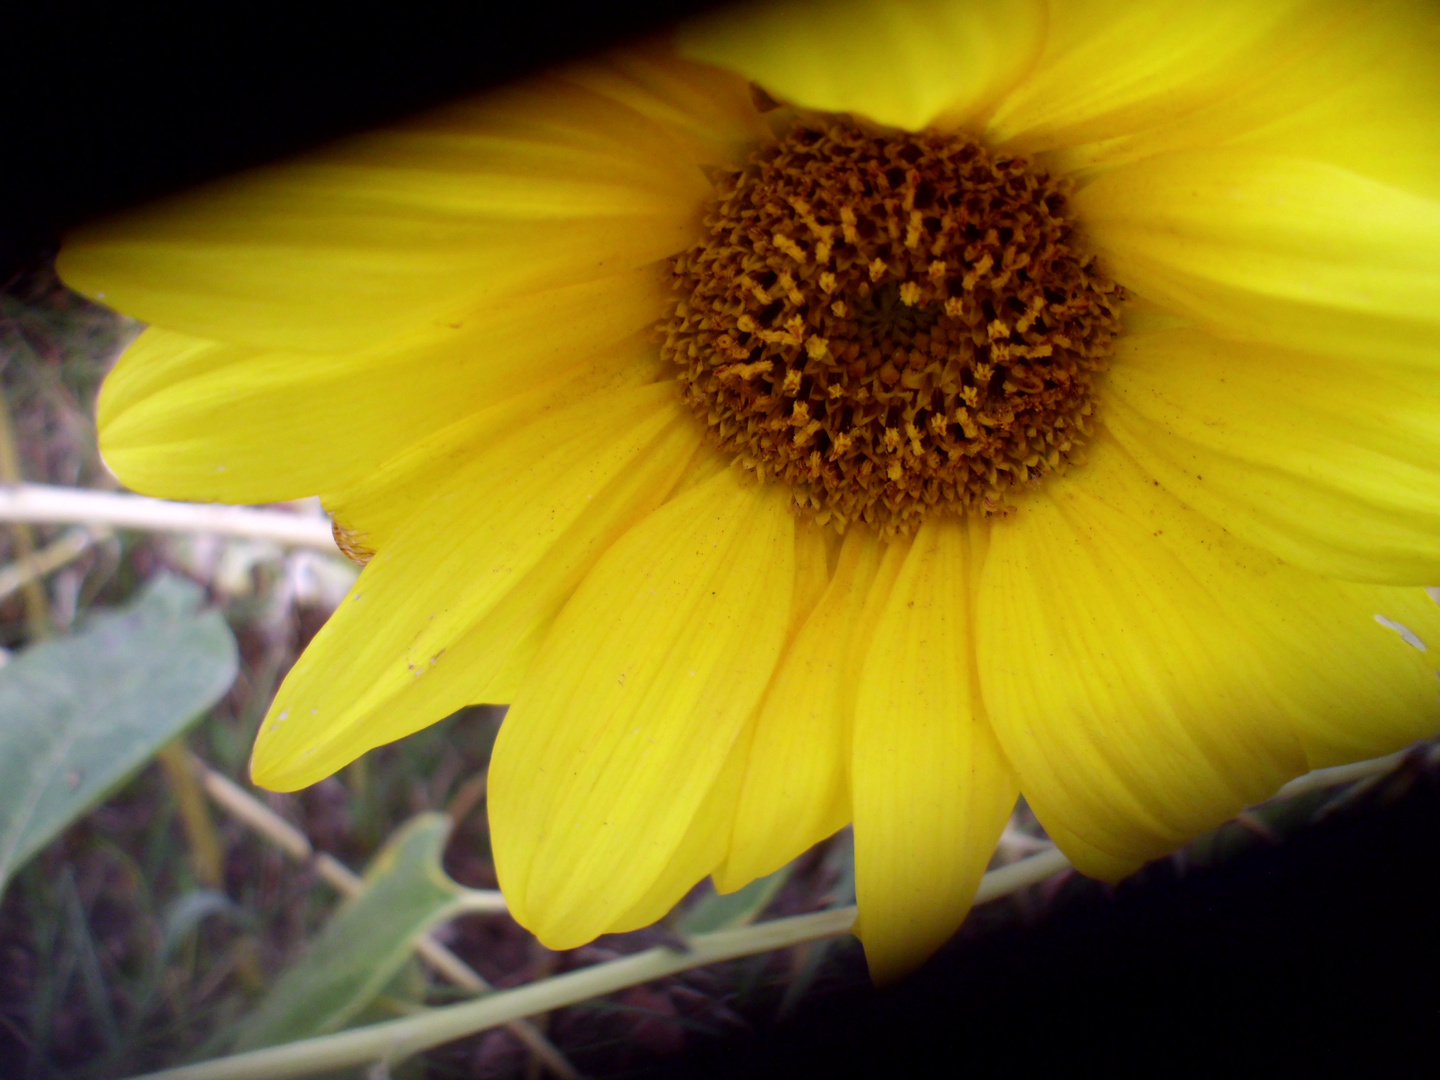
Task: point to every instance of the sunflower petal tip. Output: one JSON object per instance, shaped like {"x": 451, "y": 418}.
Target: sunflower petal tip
{"x": 281, "y": 769}
{"x": 556, "y": 930}
{"x": 891, "y": 955}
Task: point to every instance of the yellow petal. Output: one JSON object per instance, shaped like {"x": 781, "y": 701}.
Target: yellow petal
{"x": 797, "y": 786}
{"x": 1115, "y": 81}
{"x": 444, "y": 615}
{"x": 711, "y": 113}
{"x": 554, "y": 182}
{"x": 1330, "y": 464}
{"x": 187, "y": 418}
{"x": 1367, "y": 99}
{"x": 708, "y": 839}
{"x": 1385, "y": 636}
{"x": 932, "y": 790}
{"x": 634, "y": 704}
{"x": 386, "y": 498}
{"x": 905, "y": 63}
{"x": 816, "y": 549}
{"x": 1119, "y": 80}
{"x": 1296, "y": 253}
{"x": 703, "y": 846}
{"x": 1353, "y": 85}
{"x": 1149, "y": 675}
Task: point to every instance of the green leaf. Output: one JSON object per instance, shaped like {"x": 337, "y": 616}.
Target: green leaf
{"x": 366, "y": 943}
{"x": 79, "y": 715}
{"x": 717, "y": 912}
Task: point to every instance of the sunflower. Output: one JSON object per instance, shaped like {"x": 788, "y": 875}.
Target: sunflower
{"x": 847, "y": 411}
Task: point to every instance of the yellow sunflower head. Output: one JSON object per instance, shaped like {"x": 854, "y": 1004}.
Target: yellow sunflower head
{"x": 850, "y": 411}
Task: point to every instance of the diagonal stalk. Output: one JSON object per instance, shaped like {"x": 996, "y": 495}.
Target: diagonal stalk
{"x": 395, "y": 1040}
{"x": 255, "y": 814}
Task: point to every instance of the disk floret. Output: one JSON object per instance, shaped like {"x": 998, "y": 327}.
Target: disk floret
{"x": 891, "y": 323}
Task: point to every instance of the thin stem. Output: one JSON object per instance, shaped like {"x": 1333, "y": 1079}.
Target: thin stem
{"x": 23, "y": 571}
{"x": 1319, "y": 779}
{"x": 474, "y": 902}
{"x": 37, "y": 606}
{"x": 252, "y": 812}
{"x": 396, "y": 1040}
{"x": 1015, "y": 840}
{"x": 1017, "y": 875}
{"x": 205, "y": 850}
{"x": 63, "y": 505}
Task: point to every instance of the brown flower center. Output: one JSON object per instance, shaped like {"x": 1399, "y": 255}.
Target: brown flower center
{"x": 891, "y": 324}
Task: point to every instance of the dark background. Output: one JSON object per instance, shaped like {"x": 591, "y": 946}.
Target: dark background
{"x": 1317, "y": 955}
{"x": 107, "y": 104}
{"x": 1314, "y": 955}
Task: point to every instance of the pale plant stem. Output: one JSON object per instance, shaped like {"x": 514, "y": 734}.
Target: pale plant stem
{"x": 240, "y": 804}
{"x": 1015, "y": 876}
{"x": 37, "y": 604}
{"x": 1340, "y": 774}
{"x": 1015, "y": 843}
{"x": 71, "y": 546}
{"x": 250, "y": 810}
{"x": 206, "y": 852}
{"x": 45, "y": 503}
{"x": 396, "y": 1040}
{"x": 21, "y": 572}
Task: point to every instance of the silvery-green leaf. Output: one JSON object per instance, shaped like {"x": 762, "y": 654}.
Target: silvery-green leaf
{"x": 365, "y": 944}
{"x": 80, "y": 714}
